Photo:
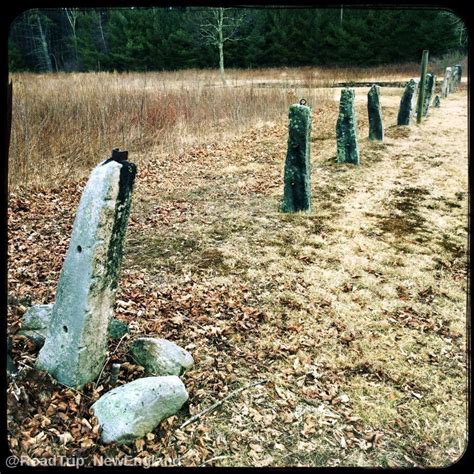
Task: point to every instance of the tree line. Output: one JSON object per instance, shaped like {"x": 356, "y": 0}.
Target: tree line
{"x": 171, "y": 38}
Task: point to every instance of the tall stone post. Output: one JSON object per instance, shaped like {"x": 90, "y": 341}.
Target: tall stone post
{"x": 407, "y": 103}
{"x": 458, "y": 68}
{"x": 346, "y": 129}
{"x": 297, "y": 177}
{"x": 429, "y": 90}
{"x": 452, "y": 81}
{"x": 74, "y": 351}
{"x": 456, "y": 77}
{"x": 445, "y": 87}
{"x": 375, "y": 113}
{"x": 422, "y": 87}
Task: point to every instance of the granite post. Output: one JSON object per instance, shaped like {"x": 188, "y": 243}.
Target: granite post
{"x": 74, "y": 350}
{"x": 346, "y": 129}
{"x": 297, "y": 176}
{"x": 375, "y": 113}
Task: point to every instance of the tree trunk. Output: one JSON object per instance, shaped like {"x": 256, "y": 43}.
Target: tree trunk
{"x": 221, "y": 44}
{"x": 44, "y": 45}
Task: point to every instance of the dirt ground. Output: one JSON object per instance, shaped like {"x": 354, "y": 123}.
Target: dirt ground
{"x": 353, "y": 316}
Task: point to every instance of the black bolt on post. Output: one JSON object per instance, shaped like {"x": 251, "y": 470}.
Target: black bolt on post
{"x": 421, "y": 86}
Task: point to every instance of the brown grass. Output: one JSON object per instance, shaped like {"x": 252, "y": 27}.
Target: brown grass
{"x": 64, "y": 123}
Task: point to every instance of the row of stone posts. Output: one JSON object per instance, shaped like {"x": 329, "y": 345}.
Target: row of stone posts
{"x": 297, "y": 174}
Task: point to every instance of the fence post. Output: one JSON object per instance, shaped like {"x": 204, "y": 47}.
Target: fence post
{"x": 421, "y": 89}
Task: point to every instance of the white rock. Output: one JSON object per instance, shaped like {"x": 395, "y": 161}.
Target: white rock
{"x": 133, "y": 410}
{"x": 161, "y": 357}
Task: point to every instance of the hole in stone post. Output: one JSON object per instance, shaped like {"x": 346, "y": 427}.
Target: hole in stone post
{"x": 79, "y": 248}
{"x": 65, "y": 328}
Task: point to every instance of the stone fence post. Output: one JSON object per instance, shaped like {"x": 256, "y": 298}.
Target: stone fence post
{"x": 407, "y": 103}
{"x": 74, "y": 351}
{"x": 346, "y": 129}
{"x": 375, "y": 114}
{"x": 297, "y": 176}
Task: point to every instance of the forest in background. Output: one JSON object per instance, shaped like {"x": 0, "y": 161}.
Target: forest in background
{"x": 171, "y": 38}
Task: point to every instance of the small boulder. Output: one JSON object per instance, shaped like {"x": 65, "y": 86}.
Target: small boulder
{"x": 137, "y": 408}
{"x": 35, "y": 323}
{"x": 161, "y": 357}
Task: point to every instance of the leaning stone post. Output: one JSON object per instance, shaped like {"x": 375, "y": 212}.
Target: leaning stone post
{"x": 346, "y": 129}
{"x": 429, "y": 89}
{"x": 375, "y": 113}
{"x": 75, "y": 349}
{"x": 445, "y": 87}
{"x": 297, "y": 177}
{"x": 407, "y": 103}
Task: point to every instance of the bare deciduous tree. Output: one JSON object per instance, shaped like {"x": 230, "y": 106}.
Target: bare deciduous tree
{"x": 218, "y": 26}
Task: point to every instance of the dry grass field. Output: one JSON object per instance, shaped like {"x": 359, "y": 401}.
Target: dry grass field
{"x": 353, "y": 315}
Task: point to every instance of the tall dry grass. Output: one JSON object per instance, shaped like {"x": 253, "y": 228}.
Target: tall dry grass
{"x": 63, "y": 124}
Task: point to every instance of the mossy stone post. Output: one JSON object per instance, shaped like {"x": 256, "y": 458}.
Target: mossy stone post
{"x": 445, "y": 88}
{"x": 74, "y": 351}
{"x": 297, "y": 177}
{"x": 375, "y": 113}
{"x": 407, "y": 102}
{"x": 430, "y": 87}
{"x": 346, "y": 129}
{"x": 422, "y": 86}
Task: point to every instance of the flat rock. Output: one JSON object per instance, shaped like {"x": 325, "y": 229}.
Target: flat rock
{"x": 161, "y": 357}
{"x": 137, "y": 408}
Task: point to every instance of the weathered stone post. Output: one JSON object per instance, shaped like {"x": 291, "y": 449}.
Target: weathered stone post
{"x": 456, "y": 76}
{"x": 422, "y": 88}
{"x": 74, "y": 350}
{"x": 429, "y": 89}
{"x": 458, "y": 68}
{"x": 297, "y": 178}
{"x": 346, "y": 129}
{"x": 407, "y": 103}
{"x": 452, "y": 80}
{"x": 375, "y": 113}
{"x": 445, "y": 88}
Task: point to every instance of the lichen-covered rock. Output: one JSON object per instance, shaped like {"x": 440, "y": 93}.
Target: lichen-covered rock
{"x": 131, "y": 411}
{"x": 75, "y": 350}
{"x": 297, "y": 177}
{"x": 407, "y": 103}
{"x": 117, "y": 329}
{"x": 375, "y": 113}
{"x": 161, "y": 357}
{"x": 35, "y": 323}
{"x": 346, "y": 129}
